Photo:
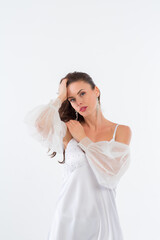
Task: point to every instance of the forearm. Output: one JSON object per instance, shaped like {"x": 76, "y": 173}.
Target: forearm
{"x": 62, "y": 98}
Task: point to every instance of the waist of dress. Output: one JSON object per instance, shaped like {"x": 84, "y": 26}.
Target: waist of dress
{"x": 70, "y": 166}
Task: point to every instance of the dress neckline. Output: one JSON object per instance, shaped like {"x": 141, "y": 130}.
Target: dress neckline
{"x": 92, "y": 141}
{"x": 113, "y": 138}
{"x": 105, "y": 141}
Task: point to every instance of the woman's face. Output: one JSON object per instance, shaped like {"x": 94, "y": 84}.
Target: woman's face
{"x": 80, "y": 94}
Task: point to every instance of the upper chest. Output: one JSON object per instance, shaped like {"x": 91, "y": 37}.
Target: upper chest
{"x": 103, "y": 134}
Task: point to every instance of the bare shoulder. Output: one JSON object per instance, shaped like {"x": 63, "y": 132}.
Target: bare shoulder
{"x": 123, "y": 134}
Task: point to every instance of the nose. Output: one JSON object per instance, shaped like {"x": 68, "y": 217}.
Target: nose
{"x": 79, "y": 104}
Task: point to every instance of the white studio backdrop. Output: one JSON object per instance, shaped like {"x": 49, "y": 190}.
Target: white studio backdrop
{"x": 117, "y": 44}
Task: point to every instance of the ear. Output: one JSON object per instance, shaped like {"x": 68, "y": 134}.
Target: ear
{"x": 97, "y": 91}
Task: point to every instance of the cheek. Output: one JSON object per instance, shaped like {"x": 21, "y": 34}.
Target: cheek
{"x": 92, "y": 101}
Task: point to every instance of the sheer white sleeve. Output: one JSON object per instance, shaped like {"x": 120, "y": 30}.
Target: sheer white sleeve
{"x": 108, "y": 160}
{"x": 44, "y": 124}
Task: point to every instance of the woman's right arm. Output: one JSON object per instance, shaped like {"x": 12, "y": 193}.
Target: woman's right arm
{"x": 44, "y": 123}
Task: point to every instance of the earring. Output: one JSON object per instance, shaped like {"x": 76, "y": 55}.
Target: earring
{"x": 97, "y": 105}
{"x": 76, "y": 115}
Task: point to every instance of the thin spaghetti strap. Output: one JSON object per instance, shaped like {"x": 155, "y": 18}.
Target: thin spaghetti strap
{"x": 115, "y": 132}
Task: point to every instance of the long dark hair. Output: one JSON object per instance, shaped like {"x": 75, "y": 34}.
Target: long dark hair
{"x": 66, "y": 111}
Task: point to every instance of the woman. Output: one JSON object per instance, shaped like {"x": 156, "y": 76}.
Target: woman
{"x": 96, "y": 154}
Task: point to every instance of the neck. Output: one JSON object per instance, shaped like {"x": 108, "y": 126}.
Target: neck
{"x": 95, "y": 121}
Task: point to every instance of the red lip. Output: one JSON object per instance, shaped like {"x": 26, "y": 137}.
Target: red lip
{"x": 83, "y": 107}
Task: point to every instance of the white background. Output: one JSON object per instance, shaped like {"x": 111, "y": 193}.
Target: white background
{"x": 118, "y": 44}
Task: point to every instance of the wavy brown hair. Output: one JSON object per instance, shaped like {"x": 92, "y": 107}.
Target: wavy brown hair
{"x": 66, "y": 111}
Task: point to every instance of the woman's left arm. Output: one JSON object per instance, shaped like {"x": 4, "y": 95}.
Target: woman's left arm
{"x": 108, "y": 160}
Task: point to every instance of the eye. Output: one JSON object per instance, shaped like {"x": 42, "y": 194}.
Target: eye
{"x": 83, "y": 93}
{"x": 80, "y": 94}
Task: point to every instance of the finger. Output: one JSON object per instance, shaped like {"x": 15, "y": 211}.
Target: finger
{"x": 73, "y": 121}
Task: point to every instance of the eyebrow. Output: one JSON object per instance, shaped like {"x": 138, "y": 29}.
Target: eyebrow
{"x": 77, "y": 93}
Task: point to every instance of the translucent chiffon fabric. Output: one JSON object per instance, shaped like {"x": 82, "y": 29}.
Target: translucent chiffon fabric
{"x": 44, "y": 125}
{"x": 109, "y": 160}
